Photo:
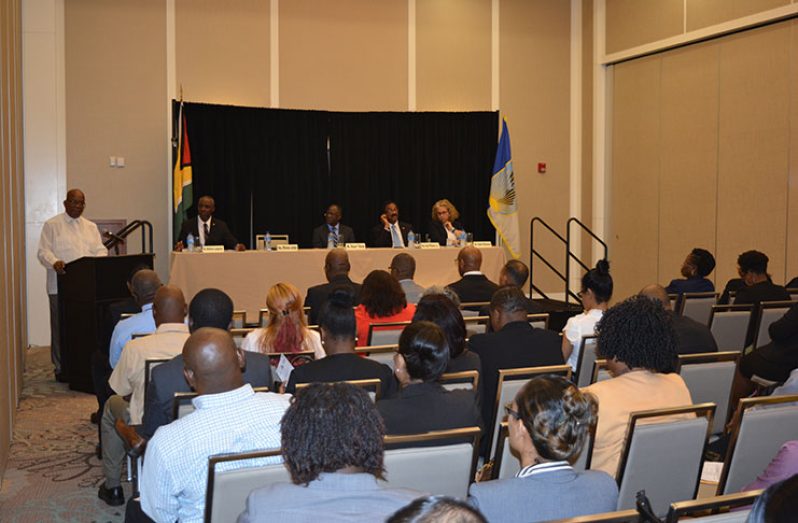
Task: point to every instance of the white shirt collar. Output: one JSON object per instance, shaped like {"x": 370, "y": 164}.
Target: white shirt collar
{"x": 540, "y": 468}
{"x": 472, "y": 273}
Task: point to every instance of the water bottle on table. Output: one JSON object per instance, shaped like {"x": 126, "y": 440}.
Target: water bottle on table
{"x": 267, "y": 241}
{"x": 190, "y": 242}
{"x": 411, "y": 239}
{"x": 330, "y": 240}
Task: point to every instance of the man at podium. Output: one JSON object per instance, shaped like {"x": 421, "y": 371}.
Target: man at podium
{"x": 65, "y": 238}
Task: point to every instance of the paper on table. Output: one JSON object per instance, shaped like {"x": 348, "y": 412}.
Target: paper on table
{"x": 284, "y": 369}
{"x": 711, "y": 471}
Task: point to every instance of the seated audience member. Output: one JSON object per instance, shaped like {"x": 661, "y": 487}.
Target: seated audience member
{"x": 437, "y": 509}
{"x": 403, "y": 268}
{"x": 691, "y": 337}
{"x": 513, "y": 344}
{"x": 206, "y": 229}
{"x": 332, "y": 443}
{"x": 208, "y": 308}
{"x": 753, "y": 269}
{"x": 286, "y": 330}
{"x": 637, "y": 339}
{"x": 516, "y": 273}
{"x": 784, "y": 465}
{"x": 423, "y": 404}
{"x": 144, "y": 285}
{"x": 595, "y": 295}
{"x": 695, "y": 269}
{"x": 341, "y": 234}
{"x": 473, "y": 286}
{"x": 127, "y": 379}
{"x": 229, "y": 418}
{"x": 337, "y": 326}
{"x": 549, "y": 422}
{"x": 382, "y": 300}
{"x": 434, "y": 290}
{"x": 792, "y": 284}
{"x": 778, "y": 504}
{"x": 442, "y": 312}
{"x": 336, "y": 270}
{"x": 390, "y": 232}
{"x": 444, "y": 227}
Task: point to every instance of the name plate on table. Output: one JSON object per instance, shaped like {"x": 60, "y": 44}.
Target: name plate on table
{"x": 429, "y": 245}
{"x": 482, "y": 244}
{"x": 287, "y": 247}
{"x": 213, "y": 248}
{"x": 355, "y": 246}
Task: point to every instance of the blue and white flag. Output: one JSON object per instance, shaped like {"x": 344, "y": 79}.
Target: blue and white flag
{"x": 503, "y": 210}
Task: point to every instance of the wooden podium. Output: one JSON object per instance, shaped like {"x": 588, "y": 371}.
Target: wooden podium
{"x": 89, "y": 285}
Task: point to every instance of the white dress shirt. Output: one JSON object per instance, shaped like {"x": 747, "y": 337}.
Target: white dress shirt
{"x": 201, "y": 226}
{"x": 67, "y": 239}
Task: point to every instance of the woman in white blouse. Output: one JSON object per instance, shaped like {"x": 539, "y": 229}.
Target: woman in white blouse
{"x": 595, "y": 295}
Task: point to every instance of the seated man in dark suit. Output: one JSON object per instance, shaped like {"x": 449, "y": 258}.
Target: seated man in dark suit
{"x": 691, "y": 337}
{"x": 336, "y": 270}
{"x": 341, "y": 234}
{"x": 390, "y": 232}
{"x": 753, "y": 269}
{"x": 792, "y": 284}
{"x": 337, "y": 327}
{"x": 473, "y": 286}
{"x": 206, "y": 229}
{"x": 695, "y": 269}
{"x": 514, "y": 344}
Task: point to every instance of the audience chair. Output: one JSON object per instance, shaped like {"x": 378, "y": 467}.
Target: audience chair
{"x": 697, "y": 305}
{"x": 239, "y": 335}
{"x": 126, "y": 315}
{"x": 675, "y": 298}
{"x": 599, "y": 372}
{"x": 621, "y": 516}
{"x": 472, "y": 308}
{"x": 585, "y": 361}
{"x": 306, "y": 312}
{"x": 538, "y": 321}
{"x": 664, "y": 457}
{"x": 760, "y": 427}
{"x": 182, "y": 405}
{"x": 379, "y": 353}
{"x": 263, "y": 317}
{"x": 718, "y": 508}
{"x": 231, "y": 477}
{"x": 729, "y": 326}
{"x": 709, "y": 378}
{"x": 793, "y": 294}
{"x": 767, "y": 313}
{"x": 137, "y": 335}
{"x": 467, "y": 379}
{"x": 304, "y": 356}
{"x": 445, "y": 469}
{"x": 239, "y": 319}
{"x": 372, "y": 386}
{"x": 386, "y": 333}
{"x": 509, "y": 383}
{"x": 149, "y": 364}
{"x": 475, "y": 324}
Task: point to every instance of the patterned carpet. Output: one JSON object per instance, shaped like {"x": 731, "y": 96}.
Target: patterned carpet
{"x": 52, "y": 473}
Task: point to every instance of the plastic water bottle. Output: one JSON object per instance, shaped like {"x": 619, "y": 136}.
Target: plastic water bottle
{"x": 330, "y": 240}
{"x": 190, "y": 242}
{"x": 267, "y": 241}
{"x": 411, "y": 239}
{"x": 462, "y": 238}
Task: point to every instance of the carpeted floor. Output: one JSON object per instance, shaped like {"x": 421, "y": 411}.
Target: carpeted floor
{"x": 52, "y": 473}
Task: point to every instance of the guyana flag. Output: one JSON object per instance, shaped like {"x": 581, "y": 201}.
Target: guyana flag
{"x": 182, "y": 196}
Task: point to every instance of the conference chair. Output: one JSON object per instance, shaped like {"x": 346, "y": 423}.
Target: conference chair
{"x": 709, "y": 378}
{"x": 182, "y": 405}
{"x": 718, "y": 507}
{"x": 467, "y": 379}
{"x": 263, "y": 317}
{"x": 379, "y": 353}
{"x": 509, "y": 383}
{"x": 729, "y": 325}
{"x": 767, "y": 313}
{"x": 538, "y": 321}
{"x": 239, "y": 335}
{"x": 585, "y": 361}
{"x": 137, "y": 335}
{"x": 600, "y": 371}
{"x": 664, "y": 456}
{"x": 386, "y": 333}
{"x": 372, "y": 385}
{"x": 239, "y": 319}
{"x": 674, "y": 299}
{"x": 793, "y": 294}
{"x": 231, "y": 478}
{"x": 759, "y": 428}
{"x": 472, "y": 308}
{"x": 475, "y": 324}
{"x": 697, "y": 305}
{"x": 621, "y": 516}
{"x": 446, "y": 469}
{"x": 149, "y": 364}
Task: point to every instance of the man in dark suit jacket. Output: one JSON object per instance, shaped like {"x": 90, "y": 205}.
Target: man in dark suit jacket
{"x": 473, "y": 286}
{"x": 336, "y": 269}
{"x": 214, "y": 232}
{"x": 753, "y": 269}
{"x": 342, "y": 234}
{"x": 691, "y": 337}
{"x": 382, "y": 234}
{"x": 514, "y": 344}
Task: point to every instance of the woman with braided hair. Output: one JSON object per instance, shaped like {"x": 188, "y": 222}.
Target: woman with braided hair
{"x": 548, "y": 422}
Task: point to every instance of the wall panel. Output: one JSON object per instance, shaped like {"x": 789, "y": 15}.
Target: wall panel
{"x": 703, "y": 13}
{"x": 792, "y": 217}
{"x": 631, "y": 22}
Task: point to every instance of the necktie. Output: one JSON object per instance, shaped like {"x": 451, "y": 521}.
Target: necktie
{"x": 397, "y": 240}
{"x": 207, "y": 232}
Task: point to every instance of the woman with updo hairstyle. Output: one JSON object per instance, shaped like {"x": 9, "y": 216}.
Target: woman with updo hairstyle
{"x": 444, "y": 227}
{"x": 549, "y": 422}
{"x": 440, "y": 310}
{"x": 382, "y": 300}
{"x": 595, "y": 295}
{"x": 286, "y": 330}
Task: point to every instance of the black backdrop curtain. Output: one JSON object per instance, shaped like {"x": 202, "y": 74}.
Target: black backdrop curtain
{"x": 278, "y": 169}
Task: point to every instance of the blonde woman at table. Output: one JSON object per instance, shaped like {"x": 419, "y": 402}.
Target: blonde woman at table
{"x": 287, "y": 330}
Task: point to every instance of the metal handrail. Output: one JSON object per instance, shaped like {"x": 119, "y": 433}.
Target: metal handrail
{"x": 570, "y": 254}
{"x": 114, "y": 239}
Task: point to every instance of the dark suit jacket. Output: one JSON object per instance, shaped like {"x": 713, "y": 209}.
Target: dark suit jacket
{"x": 696, "y": 284}
{"x": 437, "y": 233}
{"x": 792, "y": 284}
{"x": 219, "y": 234}
{"x": 532, "y": 307}
{"x": 475, "y": 287}
{"x": 167, "y": 379}
{"x": 318, "y": 294}
{"x": 345, "y": 235}
{"x": 756, "y": 294}
{"x": 343, "y": 367}
{"x": 783, "y": 348}
{"x": 517, "y": 345}
{"x": 733, "y": 285}
{"x": 382, "y": 238}
{"x": 693, "y": 337}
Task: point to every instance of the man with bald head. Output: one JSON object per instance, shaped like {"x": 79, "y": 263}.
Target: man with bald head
{"x": 336, "y": 270}
{"x": 143, "y": 286}
{"x": 127, "y": 379}
{"x": 65, "y": 238}
{"x": 692, "y": 337}
{"x": 473, "y": 286}
{"x": 403, "y": 268}
{"x": 229, "y": 418}
{"x": 206, "y": 229}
